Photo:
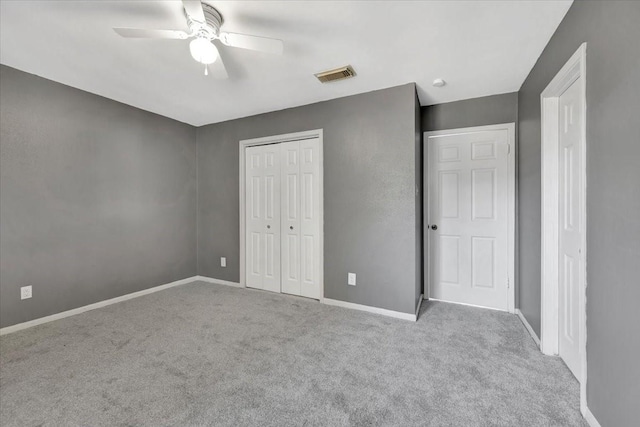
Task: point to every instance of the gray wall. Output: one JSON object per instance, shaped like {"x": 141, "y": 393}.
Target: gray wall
{"x": 369, "y": 193}
{"x": 612, "y": 33}
{"x": 97, "y": 198}
{"x": 487, "y": 110}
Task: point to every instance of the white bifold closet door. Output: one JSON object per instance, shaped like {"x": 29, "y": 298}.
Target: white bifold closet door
{"x": 262, "y": 201}
{"x": 298, "y": 216}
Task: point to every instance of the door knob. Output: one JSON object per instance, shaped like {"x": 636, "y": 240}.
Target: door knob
{"x": 268, "y": 226}
{"x": 291, "y": 227}
{"x": 434, "y": 227}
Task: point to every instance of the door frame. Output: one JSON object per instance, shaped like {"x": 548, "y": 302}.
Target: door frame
{"x": 573, "y": 71}
{"x": 276, "y": 139}
{"x": 511, "y": 204}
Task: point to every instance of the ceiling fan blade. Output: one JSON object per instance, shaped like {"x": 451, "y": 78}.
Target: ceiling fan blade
{"x": 194, "y": 10}
{"x": 217, "y": 70}
{"x": 151, "y": 34}
{"x": 244, "y": 41}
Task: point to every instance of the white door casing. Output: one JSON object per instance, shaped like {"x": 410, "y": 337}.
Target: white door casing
{"x": 300, "y": 212}
{"x": 263, "y": 217}
{"x": 471, "y": 202}
{"x": 570, "y": 264}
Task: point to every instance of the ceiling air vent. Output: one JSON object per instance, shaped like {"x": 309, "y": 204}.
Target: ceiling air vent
{"x": 336, "y": 74}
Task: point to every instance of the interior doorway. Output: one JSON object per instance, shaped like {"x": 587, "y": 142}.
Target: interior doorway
{"x": 281, "y": 214}
{"x": 563, "y": 267}
{"x": 469, "y": 216}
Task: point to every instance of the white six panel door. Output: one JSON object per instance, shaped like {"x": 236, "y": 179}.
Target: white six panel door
{"x": 310, "y": 218}
{"x": 263, "y": 217}
{"x": 295, "y": 242}
{"x": 469, "y": 205}
{"x": 570, "y": 266}
{"x": 290, "y": 222}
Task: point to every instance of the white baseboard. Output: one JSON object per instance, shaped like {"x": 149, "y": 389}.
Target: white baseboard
{"x": 217, "y": 281}
{"x": 590, "y": 418}
{"x": 468, "y": 305}
{"x": 369, "y": 309}
{"x": 100, "y": 304}
{"x": 419, "y": 305}
{"x": 337, "y": 303}
{"x": 73, "y": 312}
{"x": 528, "y": 327}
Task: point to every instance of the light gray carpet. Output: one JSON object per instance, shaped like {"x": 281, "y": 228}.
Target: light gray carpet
{"x": 204, "y": 354}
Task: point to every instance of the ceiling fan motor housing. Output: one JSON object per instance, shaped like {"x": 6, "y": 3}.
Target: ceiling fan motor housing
{"x": 211, "y": 28}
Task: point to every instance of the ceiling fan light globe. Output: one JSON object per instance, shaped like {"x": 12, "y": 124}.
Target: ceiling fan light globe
{"x": 203, "y": 51}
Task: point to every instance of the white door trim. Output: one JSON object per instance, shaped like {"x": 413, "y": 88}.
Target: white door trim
{"x": 573, "y": 71}
{"x": 275, "y": 139}
{"x": 510, "y": 127}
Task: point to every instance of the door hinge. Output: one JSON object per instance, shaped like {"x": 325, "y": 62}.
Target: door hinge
{"x": 508, "y": 283}
{"x": 508, "y": 148}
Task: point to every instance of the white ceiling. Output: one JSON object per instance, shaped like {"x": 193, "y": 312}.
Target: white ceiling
{"x": 479, "y": 47}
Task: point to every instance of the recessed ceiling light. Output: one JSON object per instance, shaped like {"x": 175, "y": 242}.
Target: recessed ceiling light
{"x": 439, "y": 83}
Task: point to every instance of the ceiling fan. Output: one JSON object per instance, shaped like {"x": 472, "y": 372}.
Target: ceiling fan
{"x": 204, "y": 23}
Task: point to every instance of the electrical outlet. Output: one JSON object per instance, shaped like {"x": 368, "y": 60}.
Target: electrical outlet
{"x": 25, "y": 292}
{"x": 223, "y": 261}
{"x": 351, "y": 279}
